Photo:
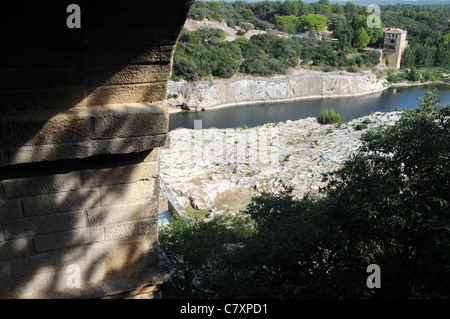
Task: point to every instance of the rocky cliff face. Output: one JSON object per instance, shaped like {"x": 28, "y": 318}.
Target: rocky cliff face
{"x": 299, "y": 84}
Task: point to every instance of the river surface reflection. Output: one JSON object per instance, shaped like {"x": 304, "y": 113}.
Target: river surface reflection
{"x": 350, "y": 107}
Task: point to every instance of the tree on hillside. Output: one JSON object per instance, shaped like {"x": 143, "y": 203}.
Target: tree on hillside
{"x": 375, "y": 34}
{"x": 288, "y": 8}
{"x": 442, "y": 56}
{"x": 408, "y": 58}
{"x": 248, "y": 14}
{"x": 336, "y": 23}
{"x": 246, "y": 26}
{"x": 288, "y": 24}
{"x": 361, "y": 39}
{"x": 322, "y": 7}
{"x": 351, "y": 10}
{"x": 316, "y": 21}
{"x": 186, "y": 67}
{"x": 446, "y": 40}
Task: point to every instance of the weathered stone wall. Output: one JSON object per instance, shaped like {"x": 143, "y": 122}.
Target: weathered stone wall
{"x": 82, "y": 120}
{"x": 100, "y": 215}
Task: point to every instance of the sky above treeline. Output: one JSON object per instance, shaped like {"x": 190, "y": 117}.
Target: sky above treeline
{"x": 366, "y": 1}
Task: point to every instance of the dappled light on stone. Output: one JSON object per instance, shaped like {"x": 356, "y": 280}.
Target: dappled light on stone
{"x": 82, "y": 120}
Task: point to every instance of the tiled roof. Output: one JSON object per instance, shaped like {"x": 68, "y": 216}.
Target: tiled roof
{"x": 394, "y": 30}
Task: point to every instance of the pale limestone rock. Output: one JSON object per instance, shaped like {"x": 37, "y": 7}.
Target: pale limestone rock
{"x": 304, "y": 151}
{"x": 300, "y": 84}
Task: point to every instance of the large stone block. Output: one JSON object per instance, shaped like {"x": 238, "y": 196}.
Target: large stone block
{"x": 128, "y": 257}
{"x": 44, "y": 127}
{"x": 95, "y": 260}
{"x": 42, "y": 78}
{"x": 126, "y": 193}
{"x": 129, "y": 56}
{"x": 16, "y": 248}
{"x": 132, "y": 74}
{"x": 61, "y": 202}
{"x": 32, "y": 226}
{"x": 122, "y": 94}
{"x": 57, "y": 98}
{"x": 136, "y": 122}
{"x": 128, "y": 145}
{"x": 46, "y": 153}
{"x": 118, "y": 175}
{"x": 86, "y": 256}
{"x": 141, "y": 227}
{"x": 81, "y": 132}
{"x": 107, "y": 268}
{"x": 153, "y": 156}
{"x": 120, "y": 213}
{"x": 10, "y": 209}
{"x": 23, "y": 187}
{"x": 146, "y": 292}
{"x": 68, "y": 239}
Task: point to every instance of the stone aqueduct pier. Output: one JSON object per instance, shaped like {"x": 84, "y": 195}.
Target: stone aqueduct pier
{"x": 82, "y": 119}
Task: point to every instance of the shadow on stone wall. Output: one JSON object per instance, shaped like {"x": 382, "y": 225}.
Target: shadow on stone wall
{"x": 79, "y": 179}
{"x": 100, "y": 215}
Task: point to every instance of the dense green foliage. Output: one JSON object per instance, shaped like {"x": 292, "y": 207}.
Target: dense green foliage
{"x": 424, "y": 75}
{"x": 388, "y": 205}
{"x": 427, "y": 26}
{"x": 195, "y": 250}
{"x": 204, "y": 53}
{"x": 308, "y": 22}
{"x": 362, "y": 38}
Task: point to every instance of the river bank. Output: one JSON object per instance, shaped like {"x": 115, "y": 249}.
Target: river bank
{"x": 174, "y": 104}
{"x": 299, "y": 84}
{"x": 407, "y": 84}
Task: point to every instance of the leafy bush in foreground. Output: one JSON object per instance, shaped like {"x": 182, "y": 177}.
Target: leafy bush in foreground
{"x": 330, "y": 116}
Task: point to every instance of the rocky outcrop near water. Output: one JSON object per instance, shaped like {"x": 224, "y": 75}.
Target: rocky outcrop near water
{"x": 300, "y": 84}
{"x": 221, "y": 169}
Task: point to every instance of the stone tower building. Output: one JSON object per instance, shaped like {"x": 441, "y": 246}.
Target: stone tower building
{"x": 394, "y": 46}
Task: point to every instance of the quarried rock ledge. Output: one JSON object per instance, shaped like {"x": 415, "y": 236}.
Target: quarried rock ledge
{"x": 236, "y": 164}
{"x": 300, "y": 84}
